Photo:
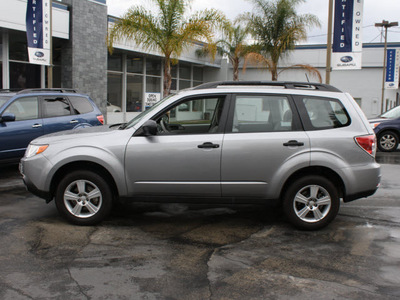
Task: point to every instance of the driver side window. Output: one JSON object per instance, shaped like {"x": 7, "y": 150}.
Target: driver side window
{"x": 192, "y": 116}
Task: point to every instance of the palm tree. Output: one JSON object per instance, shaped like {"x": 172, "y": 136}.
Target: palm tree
{"x": 167, "y": 30}
{"x": 233, "y": 46}
{"x": 276, "y": 27}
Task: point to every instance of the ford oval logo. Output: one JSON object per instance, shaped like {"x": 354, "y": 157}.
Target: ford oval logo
{"x": 346, "y": 59}
{"x": 39, "y": 54}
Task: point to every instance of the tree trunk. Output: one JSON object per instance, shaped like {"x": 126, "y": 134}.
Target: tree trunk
{"x": 167, "y": 76}
{"x": 235, "y": 65}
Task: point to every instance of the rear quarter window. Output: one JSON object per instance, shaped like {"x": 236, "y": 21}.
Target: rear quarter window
{"x": 81, "y": 105}
{"x": 322, "y": 113}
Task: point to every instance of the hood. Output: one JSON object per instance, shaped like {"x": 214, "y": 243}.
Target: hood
{"x": 378, "y": 120}
{"x": 97, "y": 132}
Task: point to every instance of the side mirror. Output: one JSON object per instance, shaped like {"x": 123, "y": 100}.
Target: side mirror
{"x": 7, "y": 117}
{"x": 149, "y": 128}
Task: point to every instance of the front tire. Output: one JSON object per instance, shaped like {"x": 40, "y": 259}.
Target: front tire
{"x": 311, "y": 202}
{"x": 83, "y": 198}
{"x": 388, "y": 141}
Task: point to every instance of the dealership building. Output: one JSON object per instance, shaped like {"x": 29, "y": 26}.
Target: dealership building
{"x": 124, "y": 83}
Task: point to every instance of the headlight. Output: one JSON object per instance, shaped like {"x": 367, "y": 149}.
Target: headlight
{"x": 373, "y": 125}
{"x": 32, "y": 150}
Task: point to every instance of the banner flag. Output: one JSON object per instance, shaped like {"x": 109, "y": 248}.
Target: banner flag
{"x": 38, "y": 31}
{"x": 347, "y": 35}
{"x": 392, "y": 69}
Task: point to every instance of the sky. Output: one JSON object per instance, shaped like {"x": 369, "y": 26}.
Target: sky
{"x": 374, "y": 12}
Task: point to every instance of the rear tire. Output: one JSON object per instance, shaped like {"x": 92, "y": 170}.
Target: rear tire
{"x": 311, "y": 202}
{"x": 83, "y": 198}
{"x": 388, "y": 141}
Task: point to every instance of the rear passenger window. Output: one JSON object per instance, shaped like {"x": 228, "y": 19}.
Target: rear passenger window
{"x": 81, "y": 105}
{"x": 56, "y": 107}
{"x": 262, "y": 113}
{"x": 325, "y": 113}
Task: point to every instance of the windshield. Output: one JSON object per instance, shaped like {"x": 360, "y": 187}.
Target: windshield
{"x": 139, "y": 117}
{"x": 394, "y": 113}
{"x": 3, "y": 99}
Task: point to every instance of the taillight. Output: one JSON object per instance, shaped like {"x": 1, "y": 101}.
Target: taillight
{"x": 101, "y": 119}
{"x": 368, "y": 143}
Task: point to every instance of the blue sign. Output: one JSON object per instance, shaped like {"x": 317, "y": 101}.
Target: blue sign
{"x": 390, "y": 65}
{"x": 34, "y": 21}
{"x": 343, "y": 28}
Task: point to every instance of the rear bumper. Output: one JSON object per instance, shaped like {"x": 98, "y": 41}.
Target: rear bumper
{"x": 364, "y": 182}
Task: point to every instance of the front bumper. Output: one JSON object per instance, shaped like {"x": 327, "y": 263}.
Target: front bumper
{"x": 33, "y": 178}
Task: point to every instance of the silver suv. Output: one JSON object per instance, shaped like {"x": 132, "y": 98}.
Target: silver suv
{"x": 304, "y": 145}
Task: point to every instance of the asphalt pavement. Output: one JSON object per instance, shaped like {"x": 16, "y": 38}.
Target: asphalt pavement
{"x": 149, "y": 251}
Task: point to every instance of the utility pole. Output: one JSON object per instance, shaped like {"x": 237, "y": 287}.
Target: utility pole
{"x": 329, "y": 44}
{"x": 386, "y": 25}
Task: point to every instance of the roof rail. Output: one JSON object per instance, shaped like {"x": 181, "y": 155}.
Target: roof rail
{"x": 57, "y": 90}
{"x": 283, "y": 84}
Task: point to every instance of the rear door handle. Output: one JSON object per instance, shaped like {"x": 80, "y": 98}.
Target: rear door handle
{"x": 36, "y": 125}
{"x": 293, "y": 143}
{"x": 208, "y": 145}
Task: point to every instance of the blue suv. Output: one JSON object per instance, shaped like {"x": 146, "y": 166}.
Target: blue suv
{"x": 387, "y": 129}
{"x": 28, "y": 114}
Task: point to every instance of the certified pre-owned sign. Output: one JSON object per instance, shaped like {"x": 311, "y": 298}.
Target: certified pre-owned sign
{"x": 38, "y": 31}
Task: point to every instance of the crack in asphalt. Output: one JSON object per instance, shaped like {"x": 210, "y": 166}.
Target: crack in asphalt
{"x": 18, "y": 291}
{"x": 217, "y": 249}
{"x": 77, "y": 283}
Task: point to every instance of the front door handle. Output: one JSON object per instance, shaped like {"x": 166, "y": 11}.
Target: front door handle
{"x": 37, "y": 125}
{"x": 74, "y": 121}
{"x": 293, "y": 143}
{"x": 208, "y": 145}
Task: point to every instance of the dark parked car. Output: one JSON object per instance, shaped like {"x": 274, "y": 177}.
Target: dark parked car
{"x": 387, "y": 129}
{"x": 28, "y": 114}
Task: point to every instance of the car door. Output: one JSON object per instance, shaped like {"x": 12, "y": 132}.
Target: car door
{"x": 184, "y": 158}
{"x": 57, "y": 115}
{"x": 16, "y": 135}
{"x": 263, "y": 140}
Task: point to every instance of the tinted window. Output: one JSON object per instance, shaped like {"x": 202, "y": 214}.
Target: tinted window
{"x": 81, "y": 105}
{"x": 325, "y": 113}
{"x": 55, "y": 107}
{"x": 3, "y": 99}
{"x": 262, "y": 113}
{"x": 24, "y": 108}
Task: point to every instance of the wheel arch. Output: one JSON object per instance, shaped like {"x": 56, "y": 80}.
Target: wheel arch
{"x": 83, "y": 165}
{"x": 325, "y": 172}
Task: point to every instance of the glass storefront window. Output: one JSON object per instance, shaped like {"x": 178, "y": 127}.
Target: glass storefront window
{"x": 114, "y": 91}
{"x": 174, "y": 71}
{"x": 153, "y": 84}
{"x": 134, "y": 64}
{"x": 174, "y": 85}
{"x": 184, "y": 84}
{"x": 197, "y": 74}
{"x": 153, "y": 66}
{"x": 114, "y": 62}
{"x": 134, "y": 93}
{"x": 24, "y": 75}
{"x": 18, "y": 46}
{"x": 184, "y": 71}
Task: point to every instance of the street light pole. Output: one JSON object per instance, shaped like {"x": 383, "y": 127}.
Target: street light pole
{"x": 386, "y": 25}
